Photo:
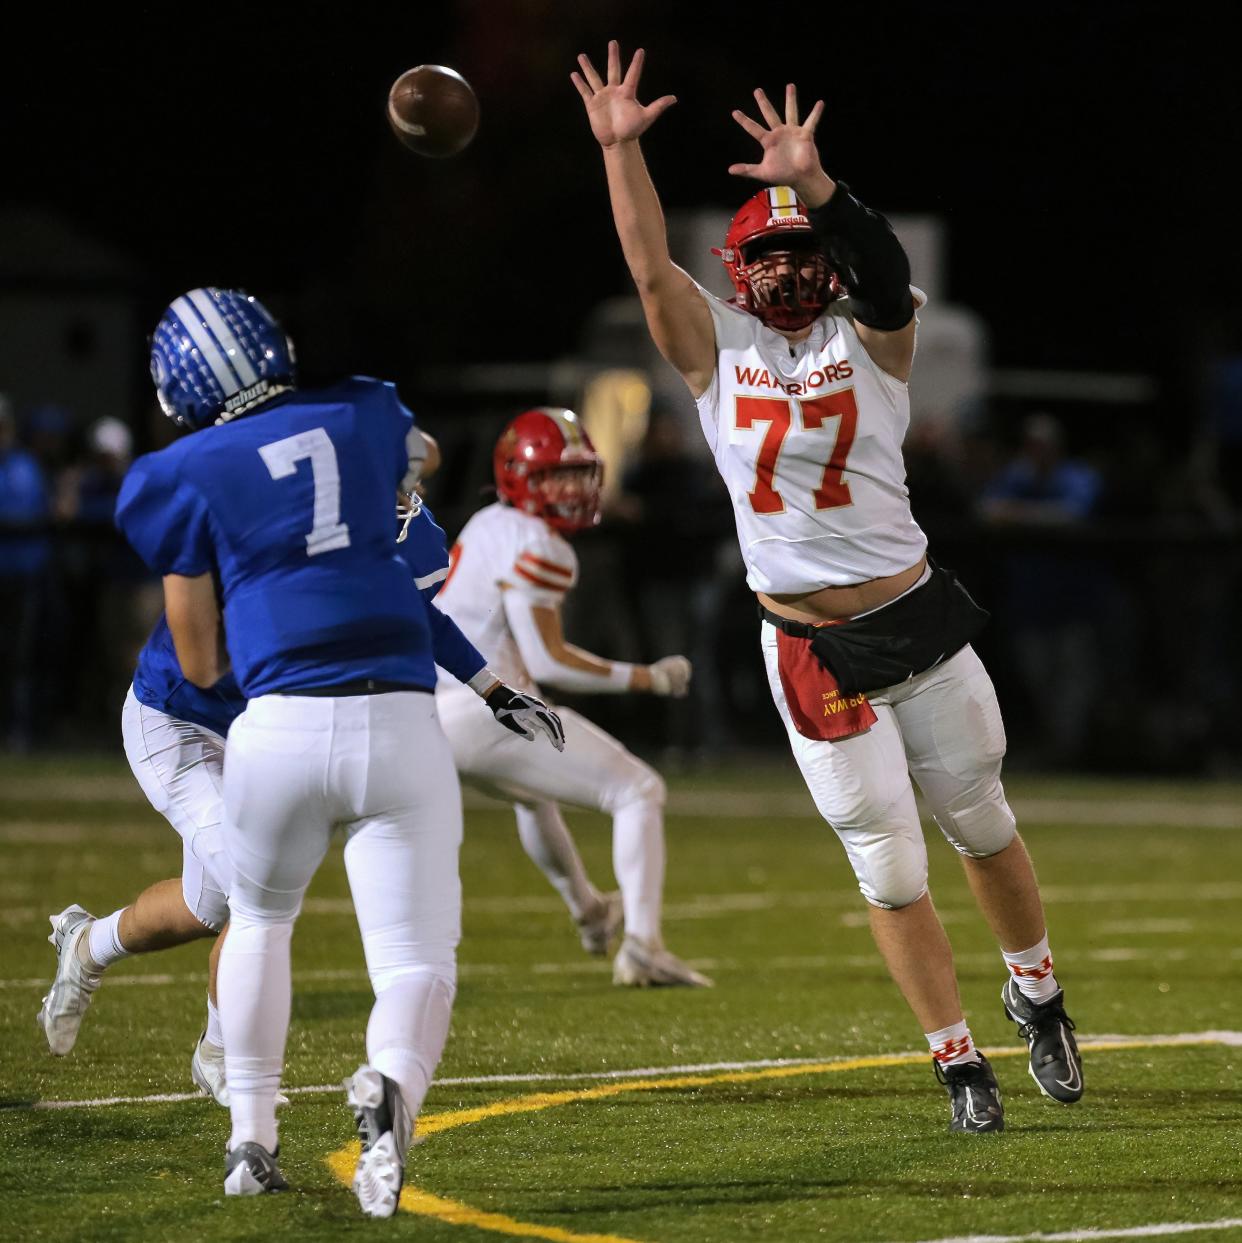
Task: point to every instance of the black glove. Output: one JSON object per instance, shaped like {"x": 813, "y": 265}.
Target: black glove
{"x": 525, "y": 715}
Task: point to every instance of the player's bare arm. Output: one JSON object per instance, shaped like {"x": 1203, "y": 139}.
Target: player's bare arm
{"x": 790, "y": 157}
{"x": 194, "y": 621}
{"x": 679, "y": 321}
{"x": 561, "y": 660}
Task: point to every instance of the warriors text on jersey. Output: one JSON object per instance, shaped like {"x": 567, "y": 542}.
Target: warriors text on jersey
{"x": 503, "y": 549}
{"x": 807, "y": 437}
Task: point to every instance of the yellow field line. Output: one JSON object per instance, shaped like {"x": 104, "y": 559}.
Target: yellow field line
{"x": 415, "y": 1200}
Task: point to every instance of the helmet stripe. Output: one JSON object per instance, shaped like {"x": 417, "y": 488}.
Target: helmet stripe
{"x": 224, "y": 334}
{"x": 212, "y": 355}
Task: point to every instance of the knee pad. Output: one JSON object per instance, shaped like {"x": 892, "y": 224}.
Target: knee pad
{"x": 981, "y": 828}
{"x": 643, "y": 785}
{"x": 891, "y": 870}
{"x": 438, "y": 977}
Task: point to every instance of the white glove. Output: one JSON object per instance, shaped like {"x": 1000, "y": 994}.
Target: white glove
{"x": 670, "y": 676}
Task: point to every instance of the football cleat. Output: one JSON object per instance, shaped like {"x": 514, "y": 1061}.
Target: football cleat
{"x": 639, "y": 964}
{"x": 384, "y": 1128}
{"x": 250, "y": 1170}
{"x": 1056, "y": 1064}
{"x": 599, "y": 930}
{"x": 974, "y": 1096}
{"x": 207, "y": 1071}
{"x": 70, "y": 994}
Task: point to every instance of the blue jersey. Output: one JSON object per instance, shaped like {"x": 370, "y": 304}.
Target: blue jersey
{"x": 291, "y": 509}
{"x": 159, "y": 683}
{"x": 425, "y": 551}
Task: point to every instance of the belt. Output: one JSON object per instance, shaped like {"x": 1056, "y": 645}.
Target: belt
{"x": 797, "y": 629}
{"x": 363, "y": 686}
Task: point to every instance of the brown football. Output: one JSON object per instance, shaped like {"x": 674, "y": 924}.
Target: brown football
{"x": 433, "y": 111}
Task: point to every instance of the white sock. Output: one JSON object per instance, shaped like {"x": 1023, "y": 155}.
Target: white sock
{"x": 638, "y": 861}
{"x": 952, "y": 1046}
{"x": 215, "y": 1033}
{"x": 1032, "y": 968}
{"x": 408, "y": 1027}
{"x": 254, "y": 989}
{"x": 104, "y": 941}
{"x": 550, "y": 847}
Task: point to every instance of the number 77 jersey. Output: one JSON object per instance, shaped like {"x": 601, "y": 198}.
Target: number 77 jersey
{"x": 807, "y": 437}
{"x": 291, "y": 508}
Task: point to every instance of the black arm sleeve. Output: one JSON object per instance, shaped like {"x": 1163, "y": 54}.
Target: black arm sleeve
{"x": 864, "y": 251}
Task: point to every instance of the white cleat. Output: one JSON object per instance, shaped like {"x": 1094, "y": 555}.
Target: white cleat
{"x": 639, "y": 964}
{"x": 599, "y": 930}
{"x": 207, "y": 1071}
{"x": 384, "y": 1128}
{"x": 70, "y": 994}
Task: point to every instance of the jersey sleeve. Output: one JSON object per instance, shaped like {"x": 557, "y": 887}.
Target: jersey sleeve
{"x": 545, "y": 568}
{"x": 165, "y": 519}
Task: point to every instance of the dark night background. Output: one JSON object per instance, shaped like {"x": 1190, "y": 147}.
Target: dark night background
{"x": 1078, "y": 154}
{"x": 1080, "y": 158}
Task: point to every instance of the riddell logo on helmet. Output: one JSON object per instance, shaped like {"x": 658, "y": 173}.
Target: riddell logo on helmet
{"x": 786, "y": 222}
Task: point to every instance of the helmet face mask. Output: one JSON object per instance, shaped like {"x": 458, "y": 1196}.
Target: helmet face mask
{"x": 544, "y": 464}
{"x": 217, "y": 354}
{"x": 776, "y": 263}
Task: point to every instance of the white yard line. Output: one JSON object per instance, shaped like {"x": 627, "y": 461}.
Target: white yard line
{"x": 1161, "y": 1230}
{"x": 1231, "y": 1039}
{"x": 599, "y": 966}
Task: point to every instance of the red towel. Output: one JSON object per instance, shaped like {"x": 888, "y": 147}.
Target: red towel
{"x": 816, "y": 705}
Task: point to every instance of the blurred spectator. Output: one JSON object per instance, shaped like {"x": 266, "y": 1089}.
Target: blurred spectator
{"x": 679, "y": 518}
{"x": 87, "y": 490}
{"x": 1051, "y": 598}
{"x": 23, "y": 565}
{"x": 101, "y": 574}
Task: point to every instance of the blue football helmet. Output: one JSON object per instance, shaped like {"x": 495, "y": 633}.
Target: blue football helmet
{"x": 217, "y": 353}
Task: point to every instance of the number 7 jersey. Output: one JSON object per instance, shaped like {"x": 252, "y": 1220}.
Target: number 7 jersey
{"x": 291, "y": 508}
{"x": 807, "y": 437}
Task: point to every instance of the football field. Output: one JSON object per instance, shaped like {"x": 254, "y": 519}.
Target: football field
{"x": 794, "y": 1101}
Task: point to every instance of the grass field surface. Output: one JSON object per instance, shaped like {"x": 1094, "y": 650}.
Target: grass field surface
{"x": 794, "y": 1101}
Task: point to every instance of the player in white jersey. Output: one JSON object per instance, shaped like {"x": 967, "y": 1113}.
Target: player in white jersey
{"x": 511, "y": 568}
{"x": 800, "y": 382}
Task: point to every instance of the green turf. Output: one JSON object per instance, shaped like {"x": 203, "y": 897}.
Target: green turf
{"x": 1145, "y": 928}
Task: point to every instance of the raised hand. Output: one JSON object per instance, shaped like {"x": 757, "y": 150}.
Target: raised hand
{"x": 612, "y": 107}
{"x": 790, "y": 156}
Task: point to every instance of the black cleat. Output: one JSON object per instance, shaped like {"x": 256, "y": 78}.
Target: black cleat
{"x": 974, "y": 1096}
{"x": 384, "y": 1128}
{"x": 1056, "y": 1065}
{"x": 250, "y": 1170}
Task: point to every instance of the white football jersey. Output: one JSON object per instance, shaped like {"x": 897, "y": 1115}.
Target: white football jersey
{"x": 807, "y": 437}
{"x": 503, "y": 549}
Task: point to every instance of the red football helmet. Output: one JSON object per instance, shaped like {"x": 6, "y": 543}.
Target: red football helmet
{"x": 545, "y": 464}
{"x": 776, "y": 262}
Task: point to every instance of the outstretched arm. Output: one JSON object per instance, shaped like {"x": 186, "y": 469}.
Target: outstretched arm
{"x": 550, "y": 659}
{"x": 860, "y": 244}
{"x": 677, "y": 317}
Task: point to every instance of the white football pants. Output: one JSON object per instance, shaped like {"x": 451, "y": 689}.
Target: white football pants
{"x": 180, "y": 767}
{"x": 379, "y": 767}
{"x": 943, "y": 729}
{"x": 594, "y": 771}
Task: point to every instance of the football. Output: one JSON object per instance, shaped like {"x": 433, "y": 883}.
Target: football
{"x": 433, "y": 111}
